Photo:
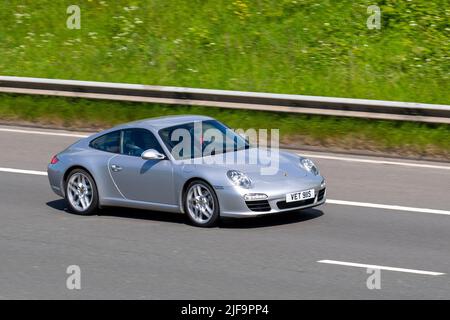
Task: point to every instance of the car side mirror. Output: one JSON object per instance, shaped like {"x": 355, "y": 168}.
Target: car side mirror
{"x": 152, "y": 154}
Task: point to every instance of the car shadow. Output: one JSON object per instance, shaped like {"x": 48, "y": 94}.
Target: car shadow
{"x": 121, "y": 212}
{"x": 283, "y": 218}
{"x": 271, "y": 220}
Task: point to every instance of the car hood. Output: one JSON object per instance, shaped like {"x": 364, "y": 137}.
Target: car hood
{"x": 261, "y": 165}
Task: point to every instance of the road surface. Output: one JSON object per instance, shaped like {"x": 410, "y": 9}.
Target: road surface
{"x": 382, "y": 213}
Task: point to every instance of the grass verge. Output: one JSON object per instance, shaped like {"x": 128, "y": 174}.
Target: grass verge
{"x": 307, "y": 47}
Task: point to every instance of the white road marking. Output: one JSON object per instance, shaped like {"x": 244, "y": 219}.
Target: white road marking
{"x": 372, "y": 266}
{"x": 46, "y": 133}
{"x": 386, "y": 206}
{"x": 405, "y": 164}
{"x": 317, "y": 156}
{"x": 34, "y": 172}
{"x": 329, "y": 201}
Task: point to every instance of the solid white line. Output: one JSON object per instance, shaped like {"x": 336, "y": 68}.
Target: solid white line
{"x": 46, "y": 133}
{"x": 34, "y": 172}
{"x": 329, "y": 201}
{"x": 405, "y": 164}
{"x": 386, "y": 206}
{"x": 372, "y": 266}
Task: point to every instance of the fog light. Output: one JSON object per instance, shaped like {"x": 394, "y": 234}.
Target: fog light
{"x": 323, "y": 184}
{"x": 255, "y": 196}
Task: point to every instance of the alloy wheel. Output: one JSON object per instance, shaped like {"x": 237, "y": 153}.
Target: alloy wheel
{"x": 79, "y": 191}
{"x": 200, "y": 203}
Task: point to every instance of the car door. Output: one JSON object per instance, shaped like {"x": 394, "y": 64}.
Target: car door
{"x": 106, "y": 147}
{"x": 138, "y": 179}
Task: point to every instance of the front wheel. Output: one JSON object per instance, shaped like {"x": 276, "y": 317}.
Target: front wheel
{"x": 201, "y": 204}
{"x": 81, "y": 192}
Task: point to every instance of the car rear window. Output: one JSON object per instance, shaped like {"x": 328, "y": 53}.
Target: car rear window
{"x": 109, "y": 142}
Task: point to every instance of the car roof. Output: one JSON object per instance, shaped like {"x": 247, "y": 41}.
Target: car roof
{"x": 154, "y": 124}
{"x": 164, "y": 122}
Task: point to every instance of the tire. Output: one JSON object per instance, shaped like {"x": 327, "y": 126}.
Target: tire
{"x": 81, "y": 192}
{"x": 201, "y": 204}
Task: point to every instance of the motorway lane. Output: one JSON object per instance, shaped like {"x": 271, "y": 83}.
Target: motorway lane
{"x": 353, "y": 181}
{"x": 127, "y": 253}
{"x": 31, "y": 151}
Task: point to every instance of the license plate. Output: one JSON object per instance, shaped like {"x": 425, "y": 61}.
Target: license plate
{"x": 302, "y": 195}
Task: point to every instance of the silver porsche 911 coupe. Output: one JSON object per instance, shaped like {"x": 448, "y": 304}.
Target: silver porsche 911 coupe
{"x": 187, "y": 164}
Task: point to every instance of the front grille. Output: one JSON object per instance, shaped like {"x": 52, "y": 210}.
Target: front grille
{"x": 321, "y": 194}
{"x": 289, "y": 205}
{"x": 258, "y": 205}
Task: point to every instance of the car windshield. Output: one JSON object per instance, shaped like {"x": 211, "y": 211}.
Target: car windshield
{"x": 200, "y": 139}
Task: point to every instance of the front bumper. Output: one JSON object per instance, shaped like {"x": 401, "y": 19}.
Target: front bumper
{"x": 232, "y": 203}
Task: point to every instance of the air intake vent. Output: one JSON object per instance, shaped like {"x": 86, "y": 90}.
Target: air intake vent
{"x": 321, "y": 194}
{"x": 258, "y": 206}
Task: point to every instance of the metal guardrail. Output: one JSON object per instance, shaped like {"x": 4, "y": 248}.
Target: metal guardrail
{"x": 328, "y": 106}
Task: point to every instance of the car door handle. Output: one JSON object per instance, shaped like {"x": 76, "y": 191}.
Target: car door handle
{"x": 116, "y": 168}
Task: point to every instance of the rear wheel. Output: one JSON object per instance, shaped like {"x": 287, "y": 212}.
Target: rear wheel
{"x": 81, "y": 192}
{"x": 201, "y": 204}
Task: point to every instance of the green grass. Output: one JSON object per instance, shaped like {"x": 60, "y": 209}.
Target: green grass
{"x": 400, "y": 138}
{"x": 287, "y": 46}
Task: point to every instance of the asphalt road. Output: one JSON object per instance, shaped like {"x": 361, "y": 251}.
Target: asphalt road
{"x": 133, "y": 254}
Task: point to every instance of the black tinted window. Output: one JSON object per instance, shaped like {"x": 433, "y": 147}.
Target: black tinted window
{"x": 109, "y": 142}
{"x": 136, "y": 141}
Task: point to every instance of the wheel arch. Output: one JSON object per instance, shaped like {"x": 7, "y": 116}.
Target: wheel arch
{"x": 184, "y": 189}
{"x": 70, "y": 169}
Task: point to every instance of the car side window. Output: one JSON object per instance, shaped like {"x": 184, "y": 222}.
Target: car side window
{"x": 136, "y": 141}
{"x": 109, "y": 142}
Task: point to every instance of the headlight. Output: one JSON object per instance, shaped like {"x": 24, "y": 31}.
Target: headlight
{"x": 309, "y": 166}
{"x": 239, "y": 179}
